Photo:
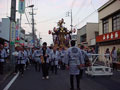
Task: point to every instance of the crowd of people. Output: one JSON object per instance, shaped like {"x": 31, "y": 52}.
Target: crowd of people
{"x": 4, "y": 56}
{"x": 46, "y": 59}
{"x": 43, "y": 59}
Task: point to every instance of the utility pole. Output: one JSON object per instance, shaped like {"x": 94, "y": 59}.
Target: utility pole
{"x": 40, "y": 39}
{"x": 12, "y": 30}
{"x": 71, "y": 20}
{"x": 33, "y": 28}
{"x": 13, "y": 10}
{"x": 20, "y": 21}
{"x": 70, "y": 14}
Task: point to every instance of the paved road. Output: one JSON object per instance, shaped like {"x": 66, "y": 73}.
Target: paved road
{"x": 32, "y": 80}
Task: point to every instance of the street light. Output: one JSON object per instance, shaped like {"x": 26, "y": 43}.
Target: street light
{"x": 31, "y": 6}
{"x": 33, "y": 29}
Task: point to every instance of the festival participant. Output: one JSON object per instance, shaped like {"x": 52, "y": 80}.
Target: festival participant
{"x": 45, "y": 53}
{"x": 21, "y": 60}
{"x": 54, "y": 56}
{"x": 3, "y": 56}
{"x": 62, "y": 56}
{"x": 36, "y": 56}
{"x": 74, "y": 62}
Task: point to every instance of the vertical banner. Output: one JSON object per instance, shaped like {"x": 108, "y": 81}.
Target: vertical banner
{"x": 21, "y": 6}
{"x": 17, "y": 31}
{"x": 12, "y": 33}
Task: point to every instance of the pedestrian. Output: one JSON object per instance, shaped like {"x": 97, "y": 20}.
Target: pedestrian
{"x": 59, "y": 59}
{"x": 17, "y": 49}
{"x": 26, "y": 58}
{"x": 50, "y": 63}
{"x": 114, "y": 58}
{"x": 21, "y": 60}
{"x": 37, "y": 60}
{"x": 107, "y": 57}
{"x": 74, "y": 62}
{"x": 62, "y": 56}
{"x": 3, "y": 56}
{"x": 85, "y": 59}
{"x": 29, "y": 56}
{"x": 45, "y": 59}
{"x": 54, "y": 57}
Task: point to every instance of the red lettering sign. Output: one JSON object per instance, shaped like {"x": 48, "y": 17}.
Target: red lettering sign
{"x": 22, "y": 0}
{"x": 108, "y": 36}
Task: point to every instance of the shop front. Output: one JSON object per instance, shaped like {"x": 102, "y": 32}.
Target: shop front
{"x": 109, "y": 40}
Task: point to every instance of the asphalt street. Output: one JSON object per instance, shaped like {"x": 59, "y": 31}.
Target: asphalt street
{"x": 32, "y": 80}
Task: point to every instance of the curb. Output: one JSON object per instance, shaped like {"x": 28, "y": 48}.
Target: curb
{"x": 5, "y": 77}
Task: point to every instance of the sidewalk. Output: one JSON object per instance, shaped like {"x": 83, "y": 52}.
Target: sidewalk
{"x": 4, "y": 77}
{"x": 7, "y": 72}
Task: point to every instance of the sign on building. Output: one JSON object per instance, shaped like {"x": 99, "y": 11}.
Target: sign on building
{"x": 17, "y": 31}
{"x": 21, "y": 6}
{"x": 108, "y": 36}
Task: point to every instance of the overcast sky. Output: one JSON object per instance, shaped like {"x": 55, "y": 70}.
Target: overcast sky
{"x": 49, "y": 12}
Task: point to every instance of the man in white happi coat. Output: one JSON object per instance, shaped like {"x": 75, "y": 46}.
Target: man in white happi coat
{"x": 26, "y": 58}
{"x": 21, "y": 60}
{"x": 74, "y": 62}
{"x": 3, "y": 56}
{"x": 45, "y": 59}
{"x": 37, "y": 60}
{"x": 54, "y": 57}
{"x": 62, "y": 58}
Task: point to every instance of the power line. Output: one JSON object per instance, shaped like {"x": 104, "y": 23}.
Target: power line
{"x": 79, "y": 9}
{"x": 51, "y": 19}
{"x": 48, "y": 20}
{"x": 72, "y": 4}
{"x": 95, "y": 10}
{"x": 27, "y": 19}
{"x": 93, "y": 5}
{"x": 86, "y": 17}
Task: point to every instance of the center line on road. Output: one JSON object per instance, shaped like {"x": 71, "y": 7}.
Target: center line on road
{"x": 11, "y": 82}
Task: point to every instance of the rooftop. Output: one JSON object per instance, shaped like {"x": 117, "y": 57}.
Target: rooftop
{"x": 106, "y": 4}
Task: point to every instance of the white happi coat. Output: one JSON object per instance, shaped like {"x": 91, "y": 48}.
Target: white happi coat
{"x": 25, "y": 55}
{"x": 21, "y": 58}
{"x": 54, "y": 58}
{"x": 74, "y": 58}
{"x": 36, "y": 56}
{"x": 62, "y": 55}
{"x": 3, "y": 55}
{"x": 47, "y": 53}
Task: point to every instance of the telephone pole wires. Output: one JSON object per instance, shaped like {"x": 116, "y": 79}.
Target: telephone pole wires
{"x": 33, "y": 24}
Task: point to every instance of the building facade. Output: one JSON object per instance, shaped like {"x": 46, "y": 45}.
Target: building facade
{"x": 22, "y": 36}
{"x": 87, "y": 35}
{"x": 4, "y": 30}
{"x": 29, "y": 40}
{"x": 109, "y": 26}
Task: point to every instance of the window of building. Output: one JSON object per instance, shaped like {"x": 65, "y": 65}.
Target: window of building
{"x": 83, "y": 38}
{"x": 116, "y": 22}
{"x": 96, "y": 34}
{"x": 105, "y": 26}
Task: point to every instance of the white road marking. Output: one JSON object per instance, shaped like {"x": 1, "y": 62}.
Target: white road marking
{"x": 11, "y": 82}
